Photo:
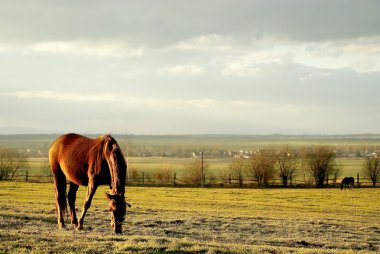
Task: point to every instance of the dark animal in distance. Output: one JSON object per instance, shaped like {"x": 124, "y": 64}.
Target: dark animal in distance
{"x": 347, "y": 182}
{"x": 88, "y": 162}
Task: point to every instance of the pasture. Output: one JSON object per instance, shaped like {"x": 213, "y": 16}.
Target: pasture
{"x": 195, "y": 220}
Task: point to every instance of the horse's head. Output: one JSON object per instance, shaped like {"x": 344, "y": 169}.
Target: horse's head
{"x": 118, "y": 168}
{"x": 117, "y": 208}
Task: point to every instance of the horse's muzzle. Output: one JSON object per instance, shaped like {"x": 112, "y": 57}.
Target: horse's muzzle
{"x": 117, "y": 227}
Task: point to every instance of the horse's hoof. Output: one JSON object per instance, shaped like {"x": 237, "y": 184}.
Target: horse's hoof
{"x": 61, "y": 226}
{"x": 75, "y": 226}
{"x": 79, "y": 227}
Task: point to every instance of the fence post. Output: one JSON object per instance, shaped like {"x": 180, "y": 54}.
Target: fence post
{"x": 304, "y": 179}
{"x": 204, "y": 180}
{"x": 202, "y": 175}
{"x": 229, "y": 179}
{"x": 357, "y": 180}
{"x": 327, "y": 179}
{"x": 143, "y": 178}
{"x": 291, "y": 179}
{"x": 174, "y": 179}
{"x": 26, "y": 175}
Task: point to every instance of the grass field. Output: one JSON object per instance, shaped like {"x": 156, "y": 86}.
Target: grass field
{"x": 184, "y": 220}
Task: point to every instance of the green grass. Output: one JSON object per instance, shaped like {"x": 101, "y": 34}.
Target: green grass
{"x": 185, "y": 220}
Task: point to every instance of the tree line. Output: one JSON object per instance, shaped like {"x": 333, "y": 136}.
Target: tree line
{"x": 264, "y": 165}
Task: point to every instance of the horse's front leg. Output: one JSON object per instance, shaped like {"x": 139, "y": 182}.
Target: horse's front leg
{"x": 87, "y": 203}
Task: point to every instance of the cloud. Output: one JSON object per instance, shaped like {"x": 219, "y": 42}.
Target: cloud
{"x": 240, "y": 69}
{"x": 269, "y": 55}
{"x": 205, "y": 42}
{"x": 108, "y": 48}
{"x": 155, "y": 102}
{"x": 266, "y": 106}
{"x": 61, "y": 96}
{"x": 359, "y": 54}
{"x": 184, "y": 70}
{"x": 315, "y": 75}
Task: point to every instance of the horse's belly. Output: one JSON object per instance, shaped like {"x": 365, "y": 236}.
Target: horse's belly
{"x": 75, "y": 174}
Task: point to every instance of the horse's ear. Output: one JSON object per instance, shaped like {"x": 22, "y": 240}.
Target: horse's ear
{"x": 112, "y": 196}
{"x": 108, "y": 196}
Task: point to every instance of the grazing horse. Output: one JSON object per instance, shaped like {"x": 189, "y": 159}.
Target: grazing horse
{"x": 88, "y": 162}
{"x": 347, "y": 182}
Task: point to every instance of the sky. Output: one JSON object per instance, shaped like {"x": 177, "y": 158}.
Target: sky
{"x": 190, "y": 67}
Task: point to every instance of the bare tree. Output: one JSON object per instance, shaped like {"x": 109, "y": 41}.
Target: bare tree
{"x": 261, "y": 167}
{"x": 133, "y": 175}
{"x": 320, "y": 161}
{"x": 164, "y": 175}
{"x": 10, "y": 162}
{"x": 193, "y": 172}
{"x": 237, "y": 168}
{"x": 286, "y": 164}
{"x": 337, "y": 171}
{"x": 371, "y": 168}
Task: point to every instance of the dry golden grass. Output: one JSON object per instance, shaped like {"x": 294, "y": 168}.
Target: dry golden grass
{"x": 185, "y": 220}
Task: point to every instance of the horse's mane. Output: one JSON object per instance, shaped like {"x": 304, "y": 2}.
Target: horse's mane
{"x": 97, "y": 154}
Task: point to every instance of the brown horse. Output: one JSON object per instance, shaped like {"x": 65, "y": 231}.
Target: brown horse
{"x": 88, "y": 162}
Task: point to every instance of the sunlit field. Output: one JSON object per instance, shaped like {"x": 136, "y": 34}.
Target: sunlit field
{"x": 195, "y": 220}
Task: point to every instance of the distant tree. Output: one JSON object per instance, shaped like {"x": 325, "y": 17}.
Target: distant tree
{"x": 148, "y": 178}
{"x": 286, "y": 164}
{"x": 336, "y": 171}
{"x": 320, "y": 161}
{"x": 10, "y": 162}
{"x": 261, "y": 167}
{"x": 193, "y": 172}
{"x": 371, "y": 168}
{"x": 237, "y": 169}
{"x": 164, "y": 174}
{"x": 133, "y": 174}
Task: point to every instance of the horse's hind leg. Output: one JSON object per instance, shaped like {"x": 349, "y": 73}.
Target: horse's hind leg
{"x": 60, "y": 195}
{"x": 71, "y": 197}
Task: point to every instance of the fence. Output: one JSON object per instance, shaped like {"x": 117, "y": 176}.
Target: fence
{"x": 207, "y": 181}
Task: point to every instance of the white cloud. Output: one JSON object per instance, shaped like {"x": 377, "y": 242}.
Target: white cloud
{"x": 265, "y": 106}
{"x": 157, "y": 102}
{"x": 61, "y": 96}
{"x": 206, "y": 42}
{"x": 240, "y": 69}
{"x": 249, "y": 59}
{"x": 360, "y": 54}
{"x": 110, "y": 48}
{"x": 315, "y": 75}
{"x": 184, "y": 70}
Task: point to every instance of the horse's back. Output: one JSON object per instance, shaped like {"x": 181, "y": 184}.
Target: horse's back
{"x": 68, "y": 153}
